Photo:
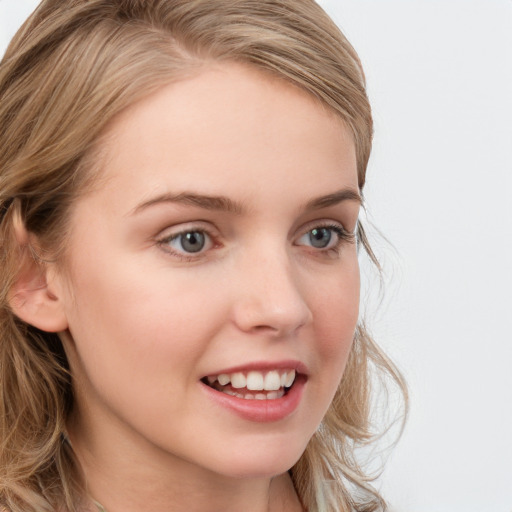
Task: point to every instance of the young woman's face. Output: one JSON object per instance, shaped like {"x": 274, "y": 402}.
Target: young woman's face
{"x": 215, "y": 258}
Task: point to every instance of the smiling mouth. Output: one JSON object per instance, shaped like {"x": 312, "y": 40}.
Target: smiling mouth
{"x": 253, "y": 385}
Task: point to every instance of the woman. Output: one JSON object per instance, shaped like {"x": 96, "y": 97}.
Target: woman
{"x": 180, "y": 189}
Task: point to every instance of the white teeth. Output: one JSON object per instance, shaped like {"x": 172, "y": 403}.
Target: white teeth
{"x": 223, "y": 379}
{"x": 290, "y": 377}
{"x": 238, "y": 380}
{"x": 271, "y": 395}
{"x": 254, "y": 381}
{"x": 272, "y": 381}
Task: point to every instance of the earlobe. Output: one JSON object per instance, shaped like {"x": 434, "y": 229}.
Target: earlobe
{"x": 32, "y": 297}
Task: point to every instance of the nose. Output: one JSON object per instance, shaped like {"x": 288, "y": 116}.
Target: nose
{"x": 269, "y": 298}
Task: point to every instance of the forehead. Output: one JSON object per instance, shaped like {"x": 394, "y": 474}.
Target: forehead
{"x": 227, "y": 124}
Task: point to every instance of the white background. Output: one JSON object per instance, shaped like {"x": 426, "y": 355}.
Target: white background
{"x": 440, "y": 189}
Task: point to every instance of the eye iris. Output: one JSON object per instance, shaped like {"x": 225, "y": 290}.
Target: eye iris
{"x": 320, "y": 237}
{"x": 193, "y": 241}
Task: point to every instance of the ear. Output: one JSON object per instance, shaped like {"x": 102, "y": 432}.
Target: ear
{"x": 34, "y": 297}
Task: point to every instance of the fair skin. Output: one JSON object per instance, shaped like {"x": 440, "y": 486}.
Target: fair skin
{"x": 165, "y": 287}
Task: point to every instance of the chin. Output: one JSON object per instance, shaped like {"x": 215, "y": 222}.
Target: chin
{"x": 264, "y": 461}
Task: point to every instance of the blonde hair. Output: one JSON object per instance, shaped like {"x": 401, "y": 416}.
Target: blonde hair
{"x": 72, "y": 67}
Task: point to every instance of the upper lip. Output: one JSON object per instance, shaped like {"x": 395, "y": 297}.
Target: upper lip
{"x": 262, "y": 366}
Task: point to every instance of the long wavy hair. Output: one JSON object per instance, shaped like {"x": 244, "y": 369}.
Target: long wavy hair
{"x": 71, "y": 68}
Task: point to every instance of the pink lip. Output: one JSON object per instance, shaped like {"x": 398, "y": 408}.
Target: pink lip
{"x": 262, "y": 411}
{"x": 265, "y": 366}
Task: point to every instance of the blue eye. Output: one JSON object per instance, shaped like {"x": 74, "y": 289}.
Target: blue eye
{"x": 320, "y": 237}
{"x": 189, "y": 242}
{"x": 324, "y": 237}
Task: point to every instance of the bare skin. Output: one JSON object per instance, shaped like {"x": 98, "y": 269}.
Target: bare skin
{"x": 161, "y": 292}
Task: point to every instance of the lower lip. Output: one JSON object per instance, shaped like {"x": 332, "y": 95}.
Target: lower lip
{"x": 262, "y": 411}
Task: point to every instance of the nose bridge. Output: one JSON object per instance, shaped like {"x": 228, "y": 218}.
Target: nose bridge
{"x": 270, "y": 296}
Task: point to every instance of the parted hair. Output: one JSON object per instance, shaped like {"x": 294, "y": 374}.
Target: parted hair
{"x": 71, "y": 68}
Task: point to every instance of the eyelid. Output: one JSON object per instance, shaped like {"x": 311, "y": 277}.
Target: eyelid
{"x": 343, "y": 235}
{"x": 185, "y": 227}
{"x": 172, "y": 233}
{"x": 328, "y": 224}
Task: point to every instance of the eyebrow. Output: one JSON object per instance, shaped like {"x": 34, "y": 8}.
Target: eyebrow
{"x": 217, "y": 203}
{"x": 225, "y": 204}
{"x": 347, "y": 194}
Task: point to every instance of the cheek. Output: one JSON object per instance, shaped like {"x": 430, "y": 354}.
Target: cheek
{"x": 336, "y": 314}
{"x": 138, "y": 343}
{"x": 336, "y": 311}
{"x": 143, "y": 324}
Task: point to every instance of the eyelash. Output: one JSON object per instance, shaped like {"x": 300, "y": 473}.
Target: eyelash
{"x": 183, "y": 256}
{"x": 343, "y": 237}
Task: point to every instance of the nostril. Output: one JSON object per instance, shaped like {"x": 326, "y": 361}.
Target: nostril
{"x": 263, "y": 328}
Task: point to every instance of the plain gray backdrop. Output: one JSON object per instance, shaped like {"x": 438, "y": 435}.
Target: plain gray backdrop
{"x": 440, "y": 189}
